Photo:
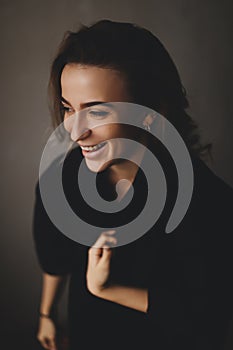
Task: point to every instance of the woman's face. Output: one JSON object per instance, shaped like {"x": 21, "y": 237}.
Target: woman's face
{"x": 83, "y": 89}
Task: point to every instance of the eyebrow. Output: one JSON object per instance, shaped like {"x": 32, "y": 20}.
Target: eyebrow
{"x": 89, "y": 104}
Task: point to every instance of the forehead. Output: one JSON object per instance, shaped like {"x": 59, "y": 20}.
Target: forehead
{"x": 80, "y": 84}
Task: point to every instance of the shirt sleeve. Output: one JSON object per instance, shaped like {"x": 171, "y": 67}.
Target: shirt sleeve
{"x": 55, "y": 251}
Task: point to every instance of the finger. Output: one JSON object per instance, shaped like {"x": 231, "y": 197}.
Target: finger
{"x": 109, "y": 232}
{"x": 95, "y": 254}
{"x": 107, "y": 254}
{"x": 95, "y": 257}
{"x": 53, "y": 345}
{"x": 105, "y": 237}
{"x": 104, "y": 241}
{"x": 44, "y": 342}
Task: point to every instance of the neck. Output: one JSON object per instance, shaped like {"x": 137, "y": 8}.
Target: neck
{"x": 127, "y": 170}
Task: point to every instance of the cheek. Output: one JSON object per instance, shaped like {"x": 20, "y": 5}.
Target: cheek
{"x": 118, "y": 131}
{"x": 108, "y": 131}
{"x": 68, "y": 124}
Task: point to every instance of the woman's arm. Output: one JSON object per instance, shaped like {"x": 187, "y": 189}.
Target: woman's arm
{"x": 47, "y": 331}
{"x": 49, "y": 290}
{"x": 99, "y": 258}
{"x": 134, "y": 298}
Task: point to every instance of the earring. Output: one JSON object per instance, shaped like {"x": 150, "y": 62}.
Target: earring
{"x": 147, "y": 127}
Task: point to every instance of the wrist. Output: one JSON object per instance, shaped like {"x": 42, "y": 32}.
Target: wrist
{"x": 96, "y": 290}
{"x": 44, "y": 315}
{"x": 44, "y": 309}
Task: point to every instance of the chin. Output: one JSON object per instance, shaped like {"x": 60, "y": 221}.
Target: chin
{"x": 98, "y": 167}
{"x": 95, "y": 168}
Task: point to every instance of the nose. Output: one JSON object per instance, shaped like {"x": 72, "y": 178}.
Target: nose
{"x": 85, "y": 133}
{"x": 79, "y": 128}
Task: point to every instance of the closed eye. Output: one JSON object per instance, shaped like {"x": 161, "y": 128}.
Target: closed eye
{"x": 98, "y": 113}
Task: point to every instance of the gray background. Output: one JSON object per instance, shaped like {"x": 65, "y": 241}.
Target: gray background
{"x": 198, "y": 36}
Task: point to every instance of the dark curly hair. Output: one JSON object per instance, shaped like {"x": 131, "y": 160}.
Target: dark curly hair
{"x": 151, "y": 76}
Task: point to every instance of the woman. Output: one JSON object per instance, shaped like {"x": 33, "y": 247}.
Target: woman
{"x": 159, "y": 290}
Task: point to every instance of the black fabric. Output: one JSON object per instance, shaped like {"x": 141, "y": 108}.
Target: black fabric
{"x": 190, "y": 293}
{"x": 188, "y": 273}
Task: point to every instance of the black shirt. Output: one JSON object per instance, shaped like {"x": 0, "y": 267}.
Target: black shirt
{"x": 188, "y": 273}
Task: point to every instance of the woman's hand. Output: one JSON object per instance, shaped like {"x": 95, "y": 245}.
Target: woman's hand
{"x": 47, "y": 333}
{"x": 98, "y": 269}
{"x": 99, "y": 259}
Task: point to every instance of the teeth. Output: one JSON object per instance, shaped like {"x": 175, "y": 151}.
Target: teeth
{"x": 92, "y": 148}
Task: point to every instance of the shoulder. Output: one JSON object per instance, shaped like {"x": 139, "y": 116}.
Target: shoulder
{"x": 210, "y": 191}
{"x": 207, "y": 223}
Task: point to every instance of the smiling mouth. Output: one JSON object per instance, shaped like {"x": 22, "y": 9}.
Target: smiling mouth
{"x": 93, "y": 148}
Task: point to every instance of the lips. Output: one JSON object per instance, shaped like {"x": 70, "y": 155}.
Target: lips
{"x": 93, "y": 148}
{"x": 96, "y": 153}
